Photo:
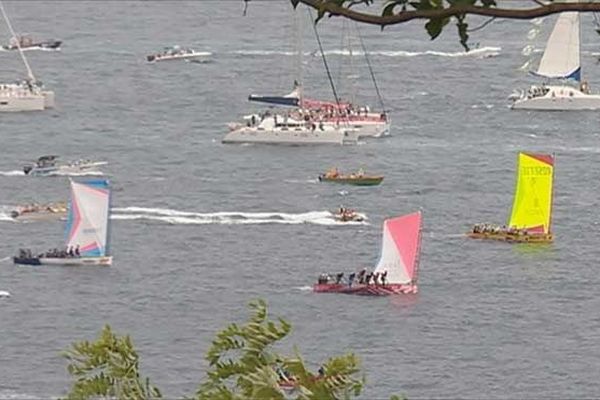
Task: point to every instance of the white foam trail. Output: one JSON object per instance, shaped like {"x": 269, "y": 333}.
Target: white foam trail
{"x": 5, "y": 259}
{"x": 12, "y": 173}
{"x": 486, "y": 51}
{"x": 303, "y": 288}
{"x": 227, "y": 217}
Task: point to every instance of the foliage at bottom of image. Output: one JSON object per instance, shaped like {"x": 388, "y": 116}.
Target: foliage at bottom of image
{"x": 243, "y": 365}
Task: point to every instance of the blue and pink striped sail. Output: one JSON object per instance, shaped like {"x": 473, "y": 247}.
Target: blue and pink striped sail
{"x": 88, "y": 217}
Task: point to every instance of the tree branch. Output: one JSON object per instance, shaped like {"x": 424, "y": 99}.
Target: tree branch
{"x": 335, "y": 9}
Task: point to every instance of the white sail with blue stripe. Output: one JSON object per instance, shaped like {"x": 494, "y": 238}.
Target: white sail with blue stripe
{"x": 561, "y": 59}
{"x": 88, "y": 217}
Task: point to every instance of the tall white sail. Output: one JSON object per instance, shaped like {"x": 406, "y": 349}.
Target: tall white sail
{"x": 561, "y": 58}
{"x": 87, "y": 221}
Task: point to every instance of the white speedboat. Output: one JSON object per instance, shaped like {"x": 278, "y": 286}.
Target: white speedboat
{"x": 177, "y": 53}
{"x": 87, "y": 229}
{"x": 28, "y": 95}
{"x": 561, "y": 61}
{"x": 278, "y": 129}
{"x": 48, "y": 166}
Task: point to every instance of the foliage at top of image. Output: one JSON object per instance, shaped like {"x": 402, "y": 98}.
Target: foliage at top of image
{"x": 439, "y": 13}
{"x": 242, "y": 366}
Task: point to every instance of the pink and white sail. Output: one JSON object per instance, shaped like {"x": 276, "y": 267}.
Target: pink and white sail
{"x": 400, "y": 249}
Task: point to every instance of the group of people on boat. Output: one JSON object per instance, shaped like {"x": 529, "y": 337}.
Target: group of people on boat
{"x": 537, "y": 91}
{"x": 69, "y": 252}
{"x": 362, "y": 278}
{"x": 497, "y": 230}
{"x": 35, "y": 207}
{"x": 334, "y": 173}
{"x": 347, "y": 214}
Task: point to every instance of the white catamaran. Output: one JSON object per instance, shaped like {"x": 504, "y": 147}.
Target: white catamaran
{"x": 27, "y": 95}
{"x": 561, "y": 61}
{"x": 87, "y": 229}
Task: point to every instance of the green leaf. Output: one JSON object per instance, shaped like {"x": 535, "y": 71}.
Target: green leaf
{"x": 435, "y": 26}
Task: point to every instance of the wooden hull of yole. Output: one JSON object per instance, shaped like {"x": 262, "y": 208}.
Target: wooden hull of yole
{"x": 372, "y": 181}
{"x": 365, "y": 290}
{"x": 506, "y": 237}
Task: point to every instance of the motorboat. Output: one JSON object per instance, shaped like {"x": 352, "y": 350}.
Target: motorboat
{"x": 176, "y": 53}
{"x": 531, "y": 216}
{"x": 26, "y": 42}
{"x": 48, "y": 166}
{"x": 396, "y": 271}
{"x": 87, "y": 229}
{"x": 358, "y": 178}
{"x": 561, "y": 61}
{"x": 285, "y": 129}
{"x": 40, "y": 212}
{"x": 348, "y": 215}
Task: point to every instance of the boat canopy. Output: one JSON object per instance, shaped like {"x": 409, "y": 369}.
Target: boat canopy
{"x": 532, "y": 206}
{"x": 88, "y": 217}
{"x": 561, "y": 58}
{"x": 400, "y": 248}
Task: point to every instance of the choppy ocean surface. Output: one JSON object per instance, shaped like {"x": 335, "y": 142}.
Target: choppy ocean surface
{"x": 200, "y": 228}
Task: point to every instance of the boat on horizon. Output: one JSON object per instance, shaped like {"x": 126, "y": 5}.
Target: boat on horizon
{"x": 26, "y": 42}
{"x": 358, "y": 178}
{"x": 531, "y": 216}
{"x": 176, "y": 53}
{"x": 49, "y": 166}
{"x": 87, "y": 229}
{"x": 396, "y": 271}
{"x": 25, "y": 95}
{"x": 561, "y": 62}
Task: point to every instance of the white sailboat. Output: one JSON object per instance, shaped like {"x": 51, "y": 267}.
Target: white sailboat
{"x": 27, "y": 95}
{"x": 87, "y": 229}
{"x": 561, "y": 61}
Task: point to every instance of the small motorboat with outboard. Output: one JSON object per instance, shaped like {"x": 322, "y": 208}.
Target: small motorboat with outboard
{"x": 358, "y": 178}
{"x": 26, "y": 42}
{"x": 40, "y": 212}
{"x": 396, "y": 271}
{"x": 87, "y": 229}
{"x": 48, "y": 165}
{"x": 176, "y": 53}
{"x": 348, "y": 215}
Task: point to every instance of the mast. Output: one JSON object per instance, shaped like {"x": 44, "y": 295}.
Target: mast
{"x": 335, "y": 95}
{"x": 364, "y": 49}
{"x": 12, "y": 32}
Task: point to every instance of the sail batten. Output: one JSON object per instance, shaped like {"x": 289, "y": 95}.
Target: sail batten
{"x": 532, "y": 206}
{"x": 561, "y": 58}
{"x": 87, "y": 220}
{"x": 400, "y": 248}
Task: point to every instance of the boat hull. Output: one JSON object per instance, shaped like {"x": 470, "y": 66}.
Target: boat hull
{"x": 367, "y": 181}
{"x": 291, "y": 136}
{"x": 71, "y": 261}
{"x": 365, "y": 290}
{"x": 559, "y": 98}
{"x": 513, "y": 238}
{"x": 40, "y": 216}
{"x": 16, "y": 103}
{"x": 190, "y": 56}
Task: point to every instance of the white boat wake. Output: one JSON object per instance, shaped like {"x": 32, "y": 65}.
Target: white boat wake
{"x": 227, "y": 218}
{"x": 58, "y": 173}
{"x": 480, "y": 52}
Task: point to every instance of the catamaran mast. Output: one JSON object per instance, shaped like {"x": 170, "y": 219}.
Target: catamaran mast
{"x": 12, "y": 32}
{"x": 335, "y": 95}
{"x": 364, "y": 49}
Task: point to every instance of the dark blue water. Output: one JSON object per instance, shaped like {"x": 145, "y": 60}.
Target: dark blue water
{"x": 491, "y": 320}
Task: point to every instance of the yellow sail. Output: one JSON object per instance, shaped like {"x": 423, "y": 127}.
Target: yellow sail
{"x": 532, "y": 207}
